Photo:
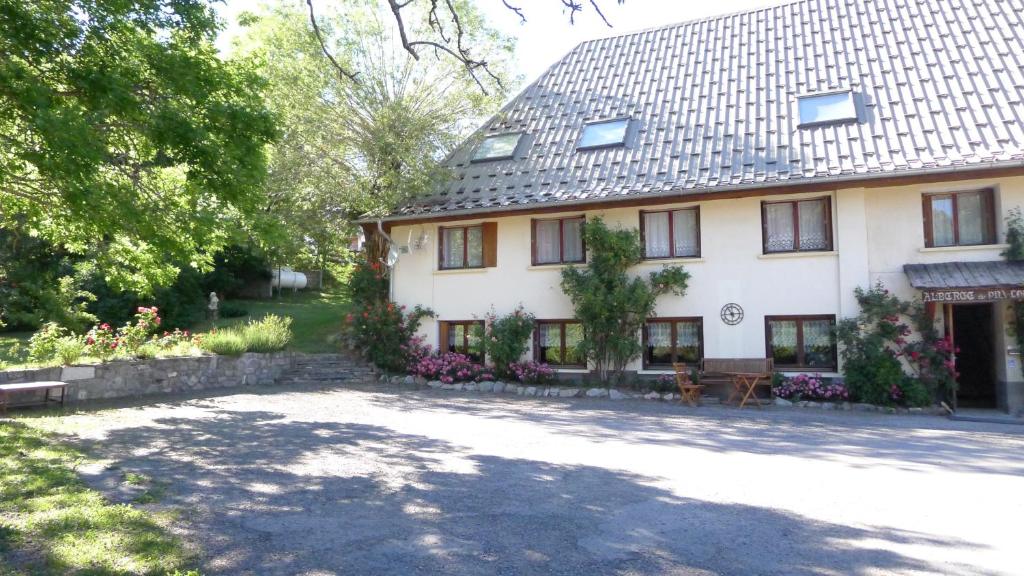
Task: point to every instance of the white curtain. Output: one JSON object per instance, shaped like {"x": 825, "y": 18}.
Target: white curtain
{"x": 942, "y": 220}
{"x": 656, "y": 235}
{"x": 970, "y": 217}
{"x": 547, "y": 242}
{"x": 659, "y": 335}
{"x": 684, "y": 232}
{"x": 453, "y": 248}
{"x": 779, "y": 222}
{"x": 572, "y": 231}
{"x": 475, "y": 248}
{"x": 813, "y": 235}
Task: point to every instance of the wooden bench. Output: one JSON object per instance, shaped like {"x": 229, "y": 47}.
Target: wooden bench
{"x": 7, "y": 389}
{"x": 742, "y": 376}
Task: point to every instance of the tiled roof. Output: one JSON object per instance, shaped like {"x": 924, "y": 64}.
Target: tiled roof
{"x": 714, "y": 104}
{"x": 995, "y": 274}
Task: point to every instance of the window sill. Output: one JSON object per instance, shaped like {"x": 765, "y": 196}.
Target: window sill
{"x": 970, "y": 248}
{"x": 554, "y": 266}
{"x": 784, "y": 255}
{"x": 570, "y": 370}
{"x": 446, "y": 271}
{"x": 655, "y": 372}
{"x": 688, "y": 260}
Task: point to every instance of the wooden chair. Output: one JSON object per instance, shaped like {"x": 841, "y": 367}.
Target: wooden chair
{"x": 688, "y": 391}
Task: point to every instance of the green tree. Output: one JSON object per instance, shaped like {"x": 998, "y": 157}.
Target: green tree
{"x": 610, "y": 304}
{"x": 353, "y": 148}
{"x": 123, "y": 133}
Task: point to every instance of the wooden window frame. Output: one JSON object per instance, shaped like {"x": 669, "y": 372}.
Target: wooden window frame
{"x": 444, "y": 328}
{"x": 671, "y": 233}
{"x": 989, "y": 205}
{"x": 801, "y": 360}
{"x": 562, "y": 323}
{"x": 561, "y": 241}
{"x": 698, "y": 320}
{"x": 796, "y": 224}
{"x": 488, "y": 246}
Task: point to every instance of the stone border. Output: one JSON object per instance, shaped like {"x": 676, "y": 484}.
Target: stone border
{"x": 556, "y": 391}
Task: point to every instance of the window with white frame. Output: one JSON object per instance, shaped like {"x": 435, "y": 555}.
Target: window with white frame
{"x": 671, "y": 233}
{"x": 827, "y": 108}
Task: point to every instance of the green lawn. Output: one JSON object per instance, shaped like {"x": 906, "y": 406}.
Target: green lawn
{"x": 51, "y": 523}
{"x": 317, "y": 318}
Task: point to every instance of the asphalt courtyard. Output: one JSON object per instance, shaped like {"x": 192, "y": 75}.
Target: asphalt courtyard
{"x": 377, "y": 481}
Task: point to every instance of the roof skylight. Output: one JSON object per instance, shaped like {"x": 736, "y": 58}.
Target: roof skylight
{"x": 827, "y": 108}
{"x": 604, "y": 133}
{"x": 497, "y": 147}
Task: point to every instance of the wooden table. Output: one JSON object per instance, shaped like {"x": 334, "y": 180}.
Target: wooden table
{"x": 744, "y": 384}
{"x": 7, "y": 389}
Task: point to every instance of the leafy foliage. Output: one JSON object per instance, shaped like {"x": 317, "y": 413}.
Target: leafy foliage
{"x": 506, "y": 339}
{"x": 383, "y": 332}
{"x": 610, "y": 304}
{"x": 269, "y": 334}
{"x": 881, "y": 365}
{"x": 125, "y": 135}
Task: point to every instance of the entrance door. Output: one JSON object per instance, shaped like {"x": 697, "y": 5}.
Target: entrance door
{"x": 972, "y": 334}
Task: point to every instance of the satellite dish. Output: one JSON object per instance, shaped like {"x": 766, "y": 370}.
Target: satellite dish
{"x": 392, "y": 257}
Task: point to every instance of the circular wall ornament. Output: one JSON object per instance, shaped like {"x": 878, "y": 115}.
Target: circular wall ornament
{"x": 732, "y": 314}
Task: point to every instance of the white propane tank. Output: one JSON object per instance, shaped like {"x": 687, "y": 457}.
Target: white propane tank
{"x": 286, "y": 278}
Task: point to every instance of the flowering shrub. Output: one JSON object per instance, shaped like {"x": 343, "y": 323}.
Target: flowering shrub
{"x": 101, "y": 341}
{"x": 881, "y": 364}
{"x": 804, "y": 387}
{"x": 450, "y": 367}
{"x": 531, "y": 372}
{"x": 382, "y": 331}
{"x": 368, "y": 283}
{"x": 134, "y": 334}
{"x": 506, "y": 339}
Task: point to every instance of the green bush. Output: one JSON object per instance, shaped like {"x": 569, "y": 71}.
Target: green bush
{"x": 270, "y": 334}
{"x": 383, "y": 332}
{"x": 43, "y": 345}
{"x": 69, "y": 350}
{"x": 223, "y": 342}
{"x": 506, "y": 339}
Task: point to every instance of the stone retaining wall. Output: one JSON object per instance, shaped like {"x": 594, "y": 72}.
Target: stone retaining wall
{"x": 130, "y": 378}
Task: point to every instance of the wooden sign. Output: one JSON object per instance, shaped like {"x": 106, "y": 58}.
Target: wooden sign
{"x": 967, "y": 295}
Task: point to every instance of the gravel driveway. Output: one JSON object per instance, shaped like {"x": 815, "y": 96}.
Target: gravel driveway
{"x": 372, "y": 481}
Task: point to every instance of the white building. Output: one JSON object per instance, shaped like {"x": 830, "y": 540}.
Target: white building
{"x": 784, "y": 156}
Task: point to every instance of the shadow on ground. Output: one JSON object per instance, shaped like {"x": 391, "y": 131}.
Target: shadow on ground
{"x": 274, "y": 496}
{"x": 926, "y": 441}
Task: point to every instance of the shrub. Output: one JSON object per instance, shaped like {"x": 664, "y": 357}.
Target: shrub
{"x": 367, "y": 283}
{"x": 223, "y": 342}
{"x": 881, "y": 365}
{"x": 43, "y": 345}
{"x": 611, "y": 304}
{"x": 506, "y": 339}
{"x": 270, "y": 334}
{"x": 69, "y": 350}
{"x": 450, "y": 367}
{"x": 383, "y": 331}
{"x": 532, "y": 372}
{"x": 804, "y": 387}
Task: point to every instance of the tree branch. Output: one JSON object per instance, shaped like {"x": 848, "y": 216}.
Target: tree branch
{"x": 344, "y": 72}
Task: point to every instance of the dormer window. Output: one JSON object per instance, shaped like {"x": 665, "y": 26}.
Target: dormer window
{"x": 603, "y": 134}
{"x": 827, "y": 108}
{"x": 497, "y": 147}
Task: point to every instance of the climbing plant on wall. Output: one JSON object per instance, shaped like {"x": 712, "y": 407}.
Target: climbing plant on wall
{"x": 1015, "y": 253}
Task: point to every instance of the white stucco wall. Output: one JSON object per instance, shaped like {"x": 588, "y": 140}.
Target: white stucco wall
{"x": 875, "y": 232}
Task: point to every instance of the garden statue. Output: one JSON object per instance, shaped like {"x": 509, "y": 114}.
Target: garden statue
{"x": 214, "y": 304}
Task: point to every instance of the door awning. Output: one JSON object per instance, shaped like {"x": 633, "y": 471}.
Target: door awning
{"x": 968, "y": 281}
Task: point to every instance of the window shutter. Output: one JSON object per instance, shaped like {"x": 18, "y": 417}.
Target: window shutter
{"x": 490, "y": 230}
{"x": 443, "y": 344}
